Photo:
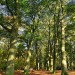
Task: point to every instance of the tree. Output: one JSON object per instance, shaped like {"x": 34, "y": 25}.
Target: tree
{"x": 64, "y": 60}
{"x": 13, "y": 31}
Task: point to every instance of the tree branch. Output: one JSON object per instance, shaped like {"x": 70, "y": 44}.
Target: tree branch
{"x": 9, "y": 30}
{"x": 9, "y": 8}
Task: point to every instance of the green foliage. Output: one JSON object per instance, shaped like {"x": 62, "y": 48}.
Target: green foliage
{"x": 26, "y": 72}
{"x": 19, "y": 64}
{"x": 24, "y": 5}
{"x": 1, "y": 51}
{"x": 20, "y": 50}
{"x": 16, "y": 66}
{"x": 38, "y": 16}
{"x": 4, "y": 65}
{"x": 2, "y": 2}
{"x": 70, "y": 9}
{"x": 11, "y": 6}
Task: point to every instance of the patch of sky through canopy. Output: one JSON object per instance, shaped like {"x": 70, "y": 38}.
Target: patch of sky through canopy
{"x": 3, "y": 10}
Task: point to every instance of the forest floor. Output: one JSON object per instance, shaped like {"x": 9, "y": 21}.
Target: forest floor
{"x": 40, "y": 72}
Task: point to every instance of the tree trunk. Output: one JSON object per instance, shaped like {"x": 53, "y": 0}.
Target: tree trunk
{"x": 11, "y": 57}
{"x": 55, "y": 47}
{"x": 37, "y": 57}
{"x": 28, "y": 60}
{"x": 50, "y": 53}
{"x": 64, "y": 62}
{"x": 63, "y": 51}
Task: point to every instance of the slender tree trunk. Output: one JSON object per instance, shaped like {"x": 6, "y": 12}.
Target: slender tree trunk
{"x": 46, "y": 59}
{"x": 40, "y": 59}
{"x": 50, "y": 53}
{"x": 49, "y": 56}
{"x": 70, "y": 58}
{"x": 28, "y": 60}
{"x": 63, "y": 51}
{"x": 37, "y": 57}
{"x": 64, "y": 63}
{"x": 56, "y": 23}
{"x": 55, "y": 47}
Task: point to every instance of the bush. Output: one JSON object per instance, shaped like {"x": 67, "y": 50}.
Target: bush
{"x": 3, "y": 66}
{"x": 18, "y": 66}
{"x": 26, "y": 72}
{"x": 58, "y": 67}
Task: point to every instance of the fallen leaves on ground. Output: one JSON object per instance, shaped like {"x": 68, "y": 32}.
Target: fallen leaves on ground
{"x": 40, "y": 72}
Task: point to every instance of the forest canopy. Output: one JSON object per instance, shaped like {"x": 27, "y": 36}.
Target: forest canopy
{"x": 37, "y": 34}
